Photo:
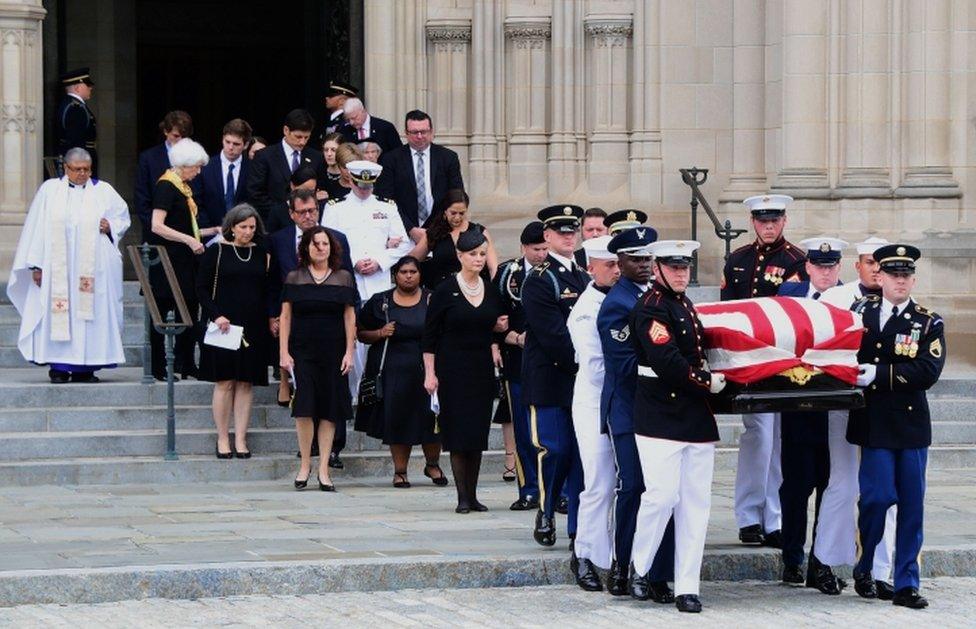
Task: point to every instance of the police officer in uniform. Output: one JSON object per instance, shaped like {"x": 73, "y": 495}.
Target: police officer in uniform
{"x": 508, "y": 280}
{"x": 902, "y": 355}
{"x": 549, "y": 367}
{"x": 805, "y": 443}
{"x": 630, "y": 242}
{"x": 758, "y": 270}
{"x": 75, "y": 122}
{"x": 593, "y": 542}
{"x": 676, "y": 430}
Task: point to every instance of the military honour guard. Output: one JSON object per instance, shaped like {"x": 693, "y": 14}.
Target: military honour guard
{"x": 75, "y": 122}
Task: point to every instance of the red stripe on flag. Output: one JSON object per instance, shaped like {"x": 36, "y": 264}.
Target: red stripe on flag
{"x": 802, "y": 325}
{"x": 761, "y": 327}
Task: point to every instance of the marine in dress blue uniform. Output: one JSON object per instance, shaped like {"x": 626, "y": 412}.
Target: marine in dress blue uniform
{"x": 548, "y": 369}
{"x": 758, "y": 270}
{"x": 508, "y": 280}
{"x": 902, "y": 355}
{"x": 617, "y": 402}
{"x": 74, "y": 120}
{"x": 675, "y": 428}
{"x": 805, "y": 445}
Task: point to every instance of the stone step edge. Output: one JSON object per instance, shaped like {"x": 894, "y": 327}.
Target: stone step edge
{"x": 288, "y": 456}
{"x": 296, "y": 578}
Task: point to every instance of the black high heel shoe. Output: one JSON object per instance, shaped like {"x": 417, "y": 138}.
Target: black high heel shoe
{"x": 302, "y": 484}
{"x": 441, "y": 480}
{"x": 223, "y": 455}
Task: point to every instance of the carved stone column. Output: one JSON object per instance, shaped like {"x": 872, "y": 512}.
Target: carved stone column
{"x": 450, "y": 41}
{"x": 565, "y": 94}
{"x": 396, "y": 65}
{"x": 609, "y": 37}
{"x": 926, "y": 107}
{"x": 484, "y": 153}
{"x": 527, "y": 103}
{"x": 645, "y": 136}
{"x": 21, "y": 110}
{"x": 803, "y": 159}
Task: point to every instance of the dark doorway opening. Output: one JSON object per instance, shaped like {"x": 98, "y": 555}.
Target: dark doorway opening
{"x": 251, "y": 59}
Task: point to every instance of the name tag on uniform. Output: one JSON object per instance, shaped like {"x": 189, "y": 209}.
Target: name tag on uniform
{"x": 379, "y": 216}
{"x": 567, "y": 294}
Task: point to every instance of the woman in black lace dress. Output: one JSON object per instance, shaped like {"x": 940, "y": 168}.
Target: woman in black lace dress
{"x": 232, "y": 289}
{"x": 317, "y": 335}
{"x": 460, "y": 358}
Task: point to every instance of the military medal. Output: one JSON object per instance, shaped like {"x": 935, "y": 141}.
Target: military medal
{"x": 913, "y": 345}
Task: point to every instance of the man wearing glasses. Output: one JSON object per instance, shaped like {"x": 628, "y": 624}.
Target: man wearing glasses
{"x": 417, "y": 175}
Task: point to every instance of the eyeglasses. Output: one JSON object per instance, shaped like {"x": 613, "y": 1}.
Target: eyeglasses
{"x": 78, "y": 169}
{"x": 305, "y": 212}
{"x": 419, "y": 132}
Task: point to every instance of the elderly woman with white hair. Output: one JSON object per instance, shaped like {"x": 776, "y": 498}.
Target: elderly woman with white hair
{"x": 174, "y": 226}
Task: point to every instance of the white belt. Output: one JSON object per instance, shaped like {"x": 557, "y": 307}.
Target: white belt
{"x": 647, "y": 372}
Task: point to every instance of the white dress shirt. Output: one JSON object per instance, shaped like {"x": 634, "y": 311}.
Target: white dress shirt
{"x": 288, "y": 151}
{"x": 886, "y": 311}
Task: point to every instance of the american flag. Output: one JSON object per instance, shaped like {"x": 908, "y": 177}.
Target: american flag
{"x": 752, "y": 339}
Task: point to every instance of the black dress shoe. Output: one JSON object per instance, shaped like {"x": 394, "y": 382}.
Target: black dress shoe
{"x": 792, "y": 575}
{"x": 660, "y": 592}
{"x": 86, "y": 377}
{"x": 223, "y": 455}
{"x": 864, "y": 585}
{"x": 477, "y": 506}
{"x": 638, "y": 585}
{"x": 562, "y": 505}
{"x": 586, "y": 576}
{"x": 688, "y": 603}
{"x": 324, "y": 487}
{"x": 301, "y": 484}
{"x": 525, "y": 504}
{"x": 617, "y": 580}
{"x": 545, "y": 529}
{"x": 439, "y": 480}
{"x": 752, "y": 535}
{"x": 773, "y": 539}
{"x": 909, "y": 597}
{"x": 822, "y": 578}
{"x": 335, "y": 462}
{"x": 572, "y": 543}
{"x": 886, "y": 591}
{"x": 58, "y": 377}
{"x": 242, "y": 455}
{"x": 462, "y": 508}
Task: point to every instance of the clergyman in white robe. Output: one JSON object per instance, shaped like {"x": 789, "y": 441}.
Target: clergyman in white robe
{"x": 73, "y": 320}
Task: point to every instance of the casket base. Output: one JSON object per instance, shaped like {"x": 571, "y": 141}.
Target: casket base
{"x": 808, "y": 400}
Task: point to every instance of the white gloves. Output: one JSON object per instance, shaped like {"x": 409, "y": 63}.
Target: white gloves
{"x": 717, "y": 383}
{"x": 865, "y": 374}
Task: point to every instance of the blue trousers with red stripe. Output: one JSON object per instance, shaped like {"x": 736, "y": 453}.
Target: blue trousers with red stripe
{"x": 559, "y": 467}
{"x": 889, "y": 477}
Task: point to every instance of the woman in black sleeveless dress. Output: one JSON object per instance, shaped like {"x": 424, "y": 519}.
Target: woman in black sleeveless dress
{"x": 318, "y": 333}
{"x": 460, "y": 358}
{"x": 232, "y": 289}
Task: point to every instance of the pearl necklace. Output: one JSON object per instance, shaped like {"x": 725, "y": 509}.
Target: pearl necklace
{"x": 328, "y": 272}
{"x": 468, "y": 289}
{"x": 250, "y": 252}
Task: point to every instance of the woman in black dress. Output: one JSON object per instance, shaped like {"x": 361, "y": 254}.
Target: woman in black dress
{"x": 438, "y": 249}
{"x": 330, "y": 144}
{"x": 174, "y": 225}
{"x": 393, "y": 322}
{"x": 232, "y": 289}
{"x": 317, "y": 334}
{"x": 460, "y": 358}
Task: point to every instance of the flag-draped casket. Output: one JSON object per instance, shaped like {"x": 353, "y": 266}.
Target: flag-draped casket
{"x": 754, "y": 340}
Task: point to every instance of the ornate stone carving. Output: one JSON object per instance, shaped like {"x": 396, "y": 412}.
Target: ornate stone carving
{"x": 449, "y": 35}
{"x": 528, "y": 32}
{"x": 609, "y": 30}
{"x": 12, "y": 37}
{"x": 16, "y": 117}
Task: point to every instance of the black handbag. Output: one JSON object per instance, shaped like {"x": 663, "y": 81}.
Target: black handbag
{"x": 371, "y": 388}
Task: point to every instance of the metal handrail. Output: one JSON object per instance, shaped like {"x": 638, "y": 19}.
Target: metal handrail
{"x": 139, "y": 255}
{"x": 694, "y": 178}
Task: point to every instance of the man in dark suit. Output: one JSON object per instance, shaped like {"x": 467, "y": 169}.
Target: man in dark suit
{"x": 225, "y": 176}
{"x": 361, "y": 126}
{"x": 75, "y": 121}
{"x": 805, "y": 453}
{"x": 272, "y": 167}
{"x": 154, "y": 161}
{"x": 549, "y": 368}
{"x": 283, "y": 247}
{"x": 417, "y": 176}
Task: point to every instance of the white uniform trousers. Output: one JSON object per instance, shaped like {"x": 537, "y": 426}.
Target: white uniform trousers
{"x": 759, "y": 473}
{"x": 594, "y": 530}
{"x": 677, "y": 479}
{"x": 837, "y": 526}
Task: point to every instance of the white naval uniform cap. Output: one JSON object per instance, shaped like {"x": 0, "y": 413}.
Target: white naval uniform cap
{"x": 596, "y": 248}
{"x": 869, "y": 246}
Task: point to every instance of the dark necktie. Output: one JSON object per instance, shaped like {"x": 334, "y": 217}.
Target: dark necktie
{"x": 816, "y": 295}
{"x": 229, "y": 190}
{"x": 294, "y": 161}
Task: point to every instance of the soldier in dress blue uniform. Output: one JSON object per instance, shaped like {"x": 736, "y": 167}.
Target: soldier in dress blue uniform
{"x": 617, "y": 404}
{"x": 549, "y": 366}
{"x": 902, "y": 355}
{"x": 509, "y": 280}
{"x": 805, "y": 444}
{"x": 758, "y": 270}
{"x": 675, "y": 427}
{"x": 75, "y": 122}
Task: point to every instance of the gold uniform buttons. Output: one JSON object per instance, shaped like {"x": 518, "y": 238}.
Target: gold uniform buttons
{"x": 876, "y": 359}
{"x": 878, "y": 345}
{"x": 673, "y": 395}
{"x": 909, "y": 408}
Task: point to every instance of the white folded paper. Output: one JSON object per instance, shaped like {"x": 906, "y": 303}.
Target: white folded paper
{"x": 231, "y": 339}
{"x": 435, "y": 404}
